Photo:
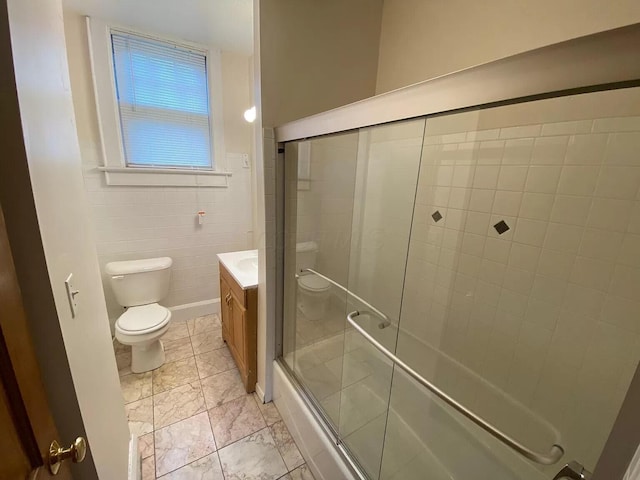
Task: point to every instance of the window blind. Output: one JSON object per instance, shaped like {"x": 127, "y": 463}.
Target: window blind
{"x": 163, "y": 102}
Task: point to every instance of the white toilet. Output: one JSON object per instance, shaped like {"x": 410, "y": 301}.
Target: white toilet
{"x": 313, "y": 291}
{"x": 139, "y": 285}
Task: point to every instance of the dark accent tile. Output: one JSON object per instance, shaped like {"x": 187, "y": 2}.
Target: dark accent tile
{"x": 437, "y": 216}
{"x": 501, "y": 227}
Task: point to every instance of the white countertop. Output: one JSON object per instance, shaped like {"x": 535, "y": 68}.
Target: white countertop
{"x": 243, "y": 267}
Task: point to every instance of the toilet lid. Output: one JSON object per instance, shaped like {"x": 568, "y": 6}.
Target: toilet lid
{"x": 144, "y": 317}
{"x": 314, "y": 283}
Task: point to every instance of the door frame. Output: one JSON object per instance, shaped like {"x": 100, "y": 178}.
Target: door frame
{"x": 16, "y": 197}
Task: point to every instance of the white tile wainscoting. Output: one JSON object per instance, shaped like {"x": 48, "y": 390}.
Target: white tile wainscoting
{"x": 144, "y": 222}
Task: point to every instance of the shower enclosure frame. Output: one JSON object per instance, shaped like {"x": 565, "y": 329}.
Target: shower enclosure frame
{"x": 603, "y": 61}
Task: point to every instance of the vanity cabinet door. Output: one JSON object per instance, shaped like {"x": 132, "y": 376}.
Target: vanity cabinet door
{"x": 239, "y": 312}
{"x": 225, "y": 314}
{"x": 237, "y": 334}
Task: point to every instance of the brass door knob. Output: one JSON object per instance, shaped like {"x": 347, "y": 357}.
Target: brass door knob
{"x": 76, "y": 452}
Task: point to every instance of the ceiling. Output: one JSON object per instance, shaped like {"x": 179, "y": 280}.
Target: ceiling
{"x": 225, "y": 24}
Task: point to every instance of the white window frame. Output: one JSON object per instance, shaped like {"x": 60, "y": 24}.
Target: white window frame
{"x": 117, "y": 172}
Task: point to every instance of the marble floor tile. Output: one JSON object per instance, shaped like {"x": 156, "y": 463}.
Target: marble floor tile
{"x": 203, "y": 324}
{"x": 120, "y": 347}
{"x": 177, "y": 349}
{"x": 140, "y": 416}
{"x": 207, "y": 341}
{"x": 145, "y": 445}
{"x": 253, "y": 458}
{"x": 177, "y": 404}
{"x": 182, "y": 443}
{"x": 123, "y": 362}
{"x": 136, "y": 386}
{"x": 207, "y": 468}
{"x": 236, "y": 419}
{"x": 149, "y": 468}
{"x": 213, "y": 362}
{"x": 268, "y": 410}
{"x": 301, "y": 473}
{"x": 173, "y": 374}
{"x": 176, "y": 331}
{"x": 222, "y": 387}
{"x": 287, "y": 447}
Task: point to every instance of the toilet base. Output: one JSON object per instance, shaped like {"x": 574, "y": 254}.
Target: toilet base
{"x": 147, "y": 357}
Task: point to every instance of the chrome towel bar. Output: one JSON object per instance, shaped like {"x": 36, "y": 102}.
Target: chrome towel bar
{"x": 549, "y": 458}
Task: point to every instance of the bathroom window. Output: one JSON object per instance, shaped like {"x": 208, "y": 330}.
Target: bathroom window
{"x": 163, "y": 103}
{"x": 159, "y": 108}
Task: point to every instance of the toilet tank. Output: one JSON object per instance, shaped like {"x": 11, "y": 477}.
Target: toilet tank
{"x": 140, "y": 282}
{"x": 306, "y": 255}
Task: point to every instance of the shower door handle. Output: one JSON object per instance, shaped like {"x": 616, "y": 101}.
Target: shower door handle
{"x": 573, "y": 471}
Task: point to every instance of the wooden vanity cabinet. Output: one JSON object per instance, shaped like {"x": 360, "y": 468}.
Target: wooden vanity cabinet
{"x": 239, "y": 313}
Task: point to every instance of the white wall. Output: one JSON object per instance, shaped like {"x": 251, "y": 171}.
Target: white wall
{"x": 423, "y": 39}
{"x": 144, "y": 222}
{"x": 316, "y": 55}
{"x": 44, "y": 93}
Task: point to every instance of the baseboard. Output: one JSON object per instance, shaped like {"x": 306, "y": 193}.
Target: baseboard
{"x": 197, "y": 309}
{"x": 135, "y": 462}
{"x": 260, "y": 392}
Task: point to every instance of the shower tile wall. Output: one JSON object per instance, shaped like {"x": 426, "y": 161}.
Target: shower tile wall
{"x": 524, "y": 262}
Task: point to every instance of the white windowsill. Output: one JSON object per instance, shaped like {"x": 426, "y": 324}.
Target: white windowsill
{"x": 165, "y": 177}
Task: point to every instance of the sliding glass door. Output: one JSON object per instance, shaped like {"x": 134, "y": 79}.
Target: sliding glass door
{"x": 461, "y": 290}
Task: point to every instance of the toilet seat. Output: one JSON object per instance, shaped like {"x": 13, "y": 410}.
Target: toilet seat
{"x": 313, "y": 283}
{"x": 143, "y": 319}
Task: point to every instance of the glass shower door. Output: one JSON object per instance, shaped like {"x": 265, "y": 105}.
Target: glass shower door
{"x": 496, "y": 253}
{"x": 320, "y": 181}
{"x": 520, "y": 298}
{"x": 386, "y": 178}
{"x": 349, "y": 204}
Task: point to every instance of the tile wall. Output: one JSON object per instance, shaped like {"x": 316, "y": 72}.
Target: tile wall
{"x": 524, "y": 263}
{"x": 145, "y": 222}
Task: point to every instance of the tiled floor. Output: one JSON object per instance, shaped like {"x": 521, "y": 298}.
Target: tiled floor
{"x": 194, "y": 419}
